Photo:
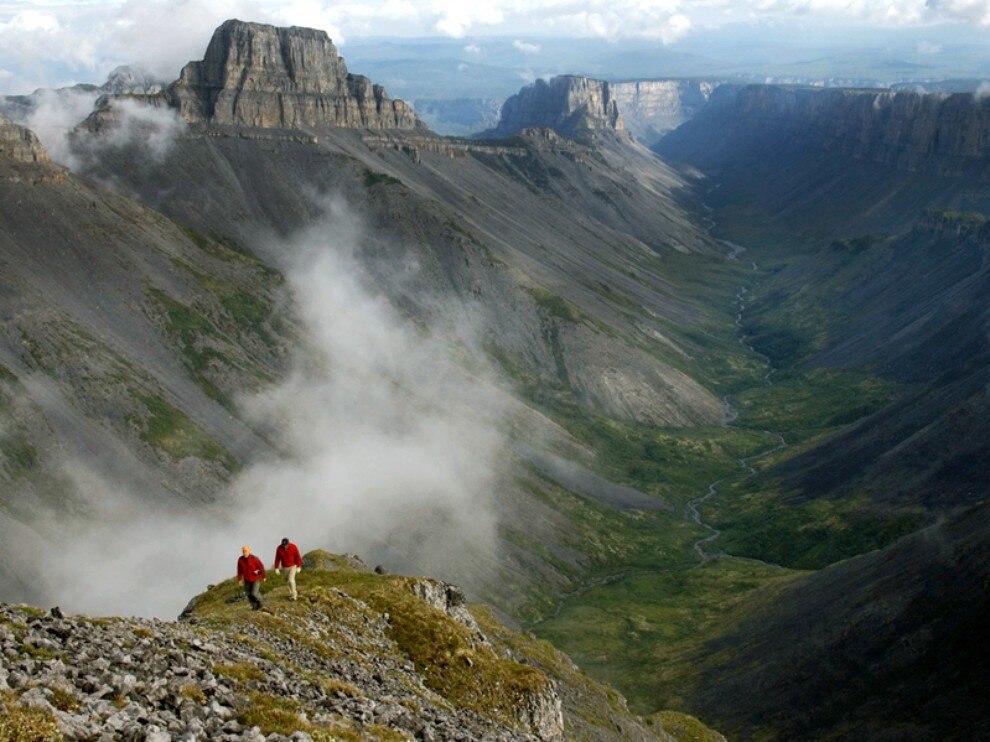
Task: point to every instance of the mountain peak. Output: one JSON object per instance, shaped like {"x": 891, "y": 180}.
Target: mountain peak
{"x": 258, "y": 75}
{"x": 571, "y": 105}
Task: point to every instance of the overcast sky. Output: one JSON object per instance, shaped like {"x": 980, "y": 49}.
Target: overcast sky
{"x": 65, "y": 41}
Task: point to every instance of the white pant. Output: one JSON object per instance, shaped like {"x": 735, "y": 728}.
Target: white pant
{"x": 290, "y": 579}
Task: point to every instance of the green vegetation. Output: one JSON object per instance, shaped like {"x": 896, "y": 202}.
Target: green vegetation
{"x": 250, "y": 311}
{"x": 19, "y": 724}
{"x": 169, "y": 429}
{"x": 856, "y": 245}
{"x": 442, "y": 650}
{"x": 240, "y": 671}
{"x": 556, "y": 306}
{"x": 640, "y": 633}
{"x": 964, "y": 218}
{"x": 371, "y": 178}
{"x": 228, "y": 250}
{"x": 802, "y": 406}
{"x": 683, "y": 727}
{"x": 273, "y": 715}
{"x": 809, "y": 534}
{"x": 197, "y": 338}
{"x": 38, "y": 653}
{"x": 65, "y": 700}
{"x": 17, "y": 455}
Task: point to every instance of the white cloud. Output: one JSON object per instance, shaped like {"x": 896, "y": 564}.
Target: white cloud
{"x": 927, "y": 47}
{"x": 44, "y": 42}
{"x": 525, "y": 47}
{"x": 983, "y": 91}
{"x": 389, "y": 447}
{"x": 31, "y": 20}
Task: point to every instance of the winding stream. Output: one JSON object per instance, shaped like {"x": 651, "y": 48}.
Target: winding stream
{"x": 730, "y": 414}
{"x": 691, "y": 511}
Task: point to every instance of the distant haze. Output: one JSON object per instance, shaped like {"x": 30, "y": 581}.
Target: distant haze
{"x": 46, "y": 45}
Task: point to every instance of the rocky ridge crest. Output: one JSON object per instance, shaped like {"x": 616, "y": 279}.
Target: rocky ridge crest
{"x": 359, "y": 656}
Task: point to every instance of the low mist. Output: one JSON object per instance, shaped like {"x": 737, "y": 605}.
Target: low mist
{"x": 387, "y": 447}
{"x": 148, "y": 131}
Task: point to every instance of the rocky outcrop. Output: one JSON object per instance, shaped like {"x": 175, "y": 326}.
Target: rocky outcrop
{"x": 572, "y": 106}
{"x": 19, "y": 143}
{"x": 136, "y": 679}
{"x": 128, "y": 80}
{"x": 257, "y": 75}
{"x": 448, "y": 599}
{"x": 23, "y": 158}
{"x": 356, "y": 657}
{"x": 651, "y": 108}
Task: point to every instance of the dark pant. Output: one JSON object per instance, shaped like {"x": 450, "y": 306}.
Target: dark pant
{"x": 253, "y": 590}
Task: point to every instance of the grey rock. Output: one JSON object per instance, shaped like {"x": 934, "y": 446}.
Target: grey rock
{"x": 570, "y": 105}
{"x": 287, "y": 78}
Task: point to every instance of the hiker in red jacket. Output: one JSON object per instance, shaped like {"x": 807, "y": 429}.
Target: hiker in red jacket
{"x": 250, "y": 574}
{"x": 287, "y": 556}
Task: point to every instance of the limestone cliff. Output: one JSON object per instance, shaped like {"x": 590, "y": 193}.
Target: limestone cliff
{"x": 651, "y": 108}
{"x": 262, "y": 76}
{"x": 943, "y": 134}
{"x": 570, "y": 105}
{"x": 23, "y": 158}
{"x": 19, "y": 144}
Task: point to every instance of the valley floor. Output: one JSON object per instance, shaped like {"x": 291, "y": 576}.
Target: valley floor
{"x": 641, "y": 624}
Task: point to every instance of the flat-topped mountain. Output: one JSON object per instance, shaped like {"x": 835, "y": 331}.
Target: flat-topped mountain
{"x": 570, "y": 105}
{"x": 262, "y": 76}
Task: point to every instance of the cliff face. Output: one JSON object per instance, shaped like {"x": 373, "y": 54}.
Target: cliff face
{"x": 944, "y": 134}
{"x": 572, "y": 106}
{"x": 652, "y": 108}
{"x": 23, "y": 158}
{"x": 19, "y": 144}
{"x": 839, "y": 162}
{"x": 262, "y": 76}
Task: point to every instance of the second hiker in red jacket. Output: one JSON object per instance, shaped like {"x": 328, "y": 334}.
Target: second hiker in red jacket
{"x": 250, "y": 574}
{"x": 287, "y": 556}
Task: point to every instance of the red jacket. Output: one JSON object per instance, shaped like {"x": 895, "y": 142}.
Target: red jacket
{"x": 250, "y": 568}
{"x": 287, "y": 556}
